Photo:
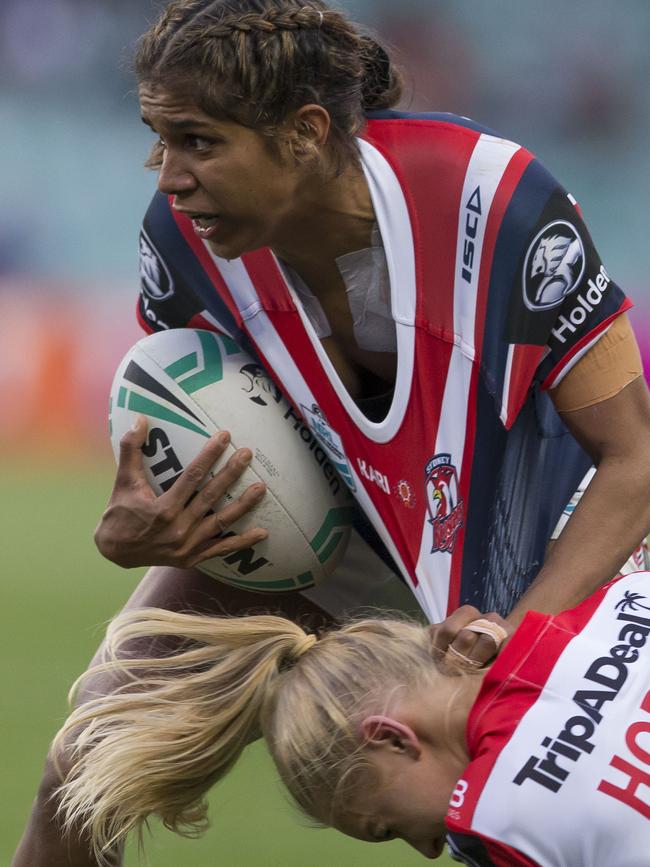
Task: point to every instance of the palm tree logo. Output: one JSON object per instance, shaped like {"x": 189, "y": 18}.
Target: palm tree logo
{"x": 631, "y": 602}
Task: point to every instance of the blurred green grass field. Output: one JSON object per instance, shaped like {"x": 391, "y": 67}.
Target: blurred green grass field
{"x": 56, "y": 593}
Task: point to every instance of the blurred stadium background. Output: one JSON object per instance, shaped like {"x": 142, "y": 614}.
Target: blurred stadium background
{"x": 567, "y": 80}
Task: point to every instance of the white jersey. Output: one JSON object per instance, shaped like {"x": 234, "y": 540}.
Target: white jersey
{"x": 560, "y": 741}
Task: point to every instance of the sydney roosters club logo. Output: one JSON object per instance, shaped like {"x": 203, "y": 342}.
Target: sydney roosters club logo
{"x": 445, "y": 507}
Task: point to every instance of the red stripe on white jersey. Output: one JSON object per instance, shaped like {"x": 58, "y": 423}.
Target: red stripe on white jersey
{"x": 585, "y": 672}
{"x": 520, "y": 659}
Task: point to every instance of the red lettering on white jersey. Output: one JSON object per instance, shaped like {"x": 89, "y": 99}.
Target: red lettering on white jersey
{"x": 560, "y": 766}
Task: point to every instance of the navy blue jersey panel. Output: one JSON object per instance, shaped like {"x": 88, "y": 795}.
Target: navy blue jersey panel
{"x": 527, "y": 203}
{"x": 469, "y": 850}
{"x": 521, "y": 481}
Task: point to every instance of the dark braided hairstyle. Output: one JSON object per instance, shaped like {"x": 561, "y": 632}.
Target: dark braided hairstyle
{"x": 255, "y": 61}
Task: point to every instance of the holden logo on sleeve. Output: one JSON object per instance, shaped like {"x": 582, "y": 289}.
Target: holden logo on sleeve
{"x": 155, "y": 278}
{"x": 554, "y": 266}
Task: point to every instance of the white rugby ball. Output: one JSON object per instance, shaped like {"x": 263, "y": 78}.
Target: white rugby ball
{"x": 192, "y": 383}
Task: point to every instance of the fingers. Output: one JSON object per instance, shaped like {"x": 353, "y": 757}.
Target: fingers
{"x": 188, "y": 523}
{"x": 130, "y": 466}
{"x": 443, "y": 634}
{"x": 195, "y": 473}
{"x": 205, "y": 540}
{"x": 224, "y": 547}
{"x": 222, "y": 481}
{"x": 468, "y": 639}
{"x": 220, "y": 521}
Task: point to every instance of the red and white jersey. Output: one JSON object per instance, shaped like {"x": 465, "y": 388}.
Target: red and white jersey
{"x": 560, "y": 741}
{"x": 496, "y": 290}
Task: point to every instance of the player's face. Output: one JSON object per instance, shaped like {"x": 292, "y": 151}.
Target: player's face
{"x": 240, "y": 193}
{"x": 399, "y": 797}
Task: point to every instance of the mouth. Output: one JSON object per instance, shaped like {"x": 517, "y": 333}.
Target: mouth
{"x": 205, "y": 225}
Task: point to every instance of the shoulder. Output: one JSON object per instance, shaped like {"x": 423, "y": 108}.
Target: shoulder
{"x": 471, "y": 166}
{"x": 180, "y": 285}
{"x": 426, "y": 120}
{"x": 436, "y": 137}
{"x": 551, "y": 738}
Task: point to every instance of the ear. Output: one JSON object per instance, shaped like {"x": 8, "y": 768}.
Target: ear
{"x": 388, "y": 733}
{"x": 310, "y": 127}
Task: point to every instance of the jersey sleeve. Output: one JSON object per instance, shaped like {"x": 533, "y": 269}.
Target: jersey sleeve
{"x": 551, "y": 297}
{"x": 176, "y": 288}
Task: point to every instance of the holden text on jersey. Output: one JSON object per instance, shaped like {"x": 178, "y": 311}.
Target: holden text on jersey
{"x": 586, "y": 303}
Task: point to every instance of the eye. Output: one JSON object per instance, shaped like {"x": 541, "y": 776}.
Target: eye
{"x": 198, "y": 142}
{"x": 155, "y": 158}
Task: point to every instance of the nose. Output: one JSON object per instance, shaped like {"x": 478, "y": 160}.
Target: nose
{"x": 174, "y": 176}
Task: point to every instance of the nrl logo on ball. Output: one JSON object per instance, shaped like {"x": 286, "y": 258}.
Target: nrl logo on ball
{"x": 554, "y": 266}
{"x": 259, "y": 386}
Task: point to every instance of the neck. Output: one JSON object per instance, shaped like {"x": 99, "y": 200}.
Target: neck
{"x": 441, "y": 713}
{"x": 332, "y": 217}
{"x": 461, "y": 699}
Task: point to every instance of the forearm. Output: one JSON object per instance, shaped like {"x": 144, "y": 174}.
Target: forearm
{"x": 193, "y": 590}
{"x": 610, "y": 520}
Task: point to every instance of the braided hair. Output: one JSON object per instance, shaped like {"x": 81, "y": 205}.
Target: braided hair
{"x": 256, "y": 61}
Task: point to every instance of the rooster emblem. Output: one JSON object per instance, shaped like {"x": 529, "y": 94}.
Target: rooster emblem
{"x": 444, "y": 504}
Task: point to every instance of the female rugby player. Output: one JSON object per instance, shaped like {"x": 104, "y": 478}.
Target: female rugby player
{"x": 542, "y": 760}
{"x": 426, "y": 294}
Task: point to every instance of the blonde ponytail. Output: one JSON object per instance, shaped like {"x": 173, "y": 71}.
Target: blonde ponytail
{"x": 176, "y": 723}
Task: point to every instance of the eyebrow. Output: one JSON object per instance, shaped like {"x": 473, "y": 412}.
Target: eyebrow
{"x": 180, "y": 124}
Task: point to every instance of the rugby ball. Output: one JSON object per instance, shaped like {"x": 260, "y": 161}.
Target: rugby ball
{"x": 190, "y": 384}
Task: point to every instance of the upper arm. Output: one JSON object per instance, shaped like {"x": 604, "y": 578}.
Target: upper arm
{"x": 616, "y": 427}
{"x": 611, "y": 364}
